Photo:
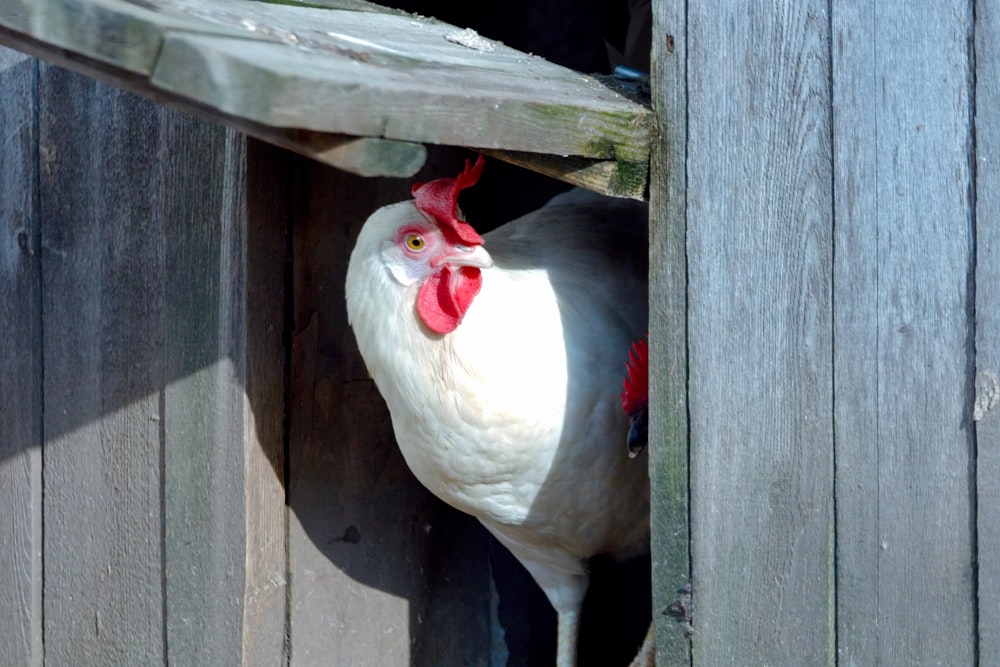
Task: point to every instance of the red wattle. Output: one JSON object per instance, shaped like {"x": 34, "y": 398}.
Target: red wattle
{"x": 445, "y": 297}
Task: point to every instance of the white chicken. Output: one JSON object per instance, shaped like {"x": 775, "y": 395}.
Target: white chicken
{"x": 501, "y": 361}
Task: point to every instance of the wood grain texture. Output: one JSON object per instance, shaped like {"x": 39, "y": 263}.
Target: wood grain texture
{"x": 987, "y": 236}
{"x": 265, "y": 598}
{"x": 616, "y": 179}
{"x": 759, "y": 244}
{"x": 383, "y": 75}
{"x": 904, "y": 333}
{"x": 200, "y": 194}
{"x": 509, "y": 100}
{"x": 668, "y": 331}
{"x": 20, "y": 367}
{"x": 103, "y": 279}
{"x": 856, "y": 355}
{"x": 365, "y": 156}
{"x": 164, "y": 516}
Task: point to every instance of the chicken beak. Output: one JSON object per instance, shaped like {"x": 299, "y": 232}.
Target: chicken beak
{"x": 463, "y": 255}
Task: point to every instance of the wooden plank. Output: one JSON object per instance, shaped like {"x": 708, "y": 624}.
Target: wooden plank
{"x": 265, "y": 598}
{"x": 164, "y": 506}
{"x": 116, "y": 32}
{"x": 499, "y": 103}
{"x": 20, "y": 367}
{"x": 365, "y": 73}
{"x": 903, "y": 329}
{"x": 204, "y": 412}
{"x": 617, "y": 179}
{"x": 365, "y": 156}
{"x": 668, "y": 428}
{"x": 856, "y": 359}
{"x": 372, "y": 558}
{"x": 759, "y": 219}
{"x": 102, "y": 309}
{"x": 986, "y": 410}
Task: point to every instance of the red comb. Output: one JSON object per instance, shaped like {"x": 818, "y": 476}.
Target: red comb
{"x": 636, "y": 394}
{"x": 439, "y": 199}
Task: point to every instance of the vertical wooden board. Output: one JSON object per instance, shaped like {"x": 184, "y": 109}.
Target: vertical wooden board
{"x": 986, "y": 411}
{"x": 265, "y": 611}
{"x": 200, "y": 193}
{"x": 904, "y": 331}
{"x": 856, "y": 351}
{"x": 759, "y": 206}
{"x": 363, "y": 534}
{"x": 20, "y": 366}
{"x": 668, "y": 429}
{"x": 102, "y": 311}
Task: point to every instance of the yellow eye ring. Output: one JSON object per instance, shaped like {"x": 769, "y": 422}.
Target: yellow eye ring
{"x": 414, "y": 242}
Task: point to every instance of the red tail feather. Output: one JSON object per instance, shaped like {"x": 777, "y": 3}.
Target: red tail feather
{"x": 636, "y": 394}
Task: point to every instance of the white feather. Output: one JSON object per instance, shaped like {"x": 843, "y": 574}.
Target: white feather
{"x": 515, "y": 417}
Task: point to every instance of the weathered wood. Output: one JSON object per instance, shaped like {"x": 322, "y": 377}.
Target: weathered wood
{"x": 493, "y": 101}
{"x": 375, "y": 74}
{"x": 20, "y": 367}
{"x": 364, "y": 536}
{"x": 200, "y": 194}
{"x": 365, "y": 156}
{"x": 616, "y": 179}
{"x": 668, "y": 360}
{"x": 164, "y": 517}
{"x": 856, "y": 354}
{"x": 266, "y": 585}
{"x": 904, "y": 326}
{"x": 759, "y": 244}
{"x": 986, "y": 411}
{"x": 102, "y": 295}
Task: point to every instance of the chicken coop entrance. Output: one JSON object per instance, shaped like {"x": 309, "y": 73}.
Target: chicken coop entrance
{"x": 195, "y": 469}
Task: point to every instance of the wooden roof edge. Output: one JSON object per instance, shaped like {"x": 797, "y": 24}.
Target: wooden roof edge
{"x": 365, "y": 156}
{"x": 615, "y": 178}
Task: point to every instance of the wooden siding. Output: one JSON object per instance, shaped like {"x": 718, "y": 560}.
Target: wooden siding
{"x": 144, "y": 369}
{"x": 830, "y": 184}
{"x": 759, "y": 334}
{"x": 986, "y": 412}
{"x": 904, "y": 323}
{"x": 194, "y": 469}
{"x": 20, "y": 367}
{"x": 668, "y": 334}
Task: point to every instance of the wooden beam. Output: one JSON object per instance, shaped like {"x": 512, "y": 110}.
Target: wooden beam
{"x": 301, "y": 75}
{"x": 617, "y": 179}
{"x": 365, "y": 156}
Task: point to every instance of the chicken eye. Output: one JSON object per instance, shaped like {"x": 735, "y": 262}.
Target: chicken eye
{"x": 414, "y": 242}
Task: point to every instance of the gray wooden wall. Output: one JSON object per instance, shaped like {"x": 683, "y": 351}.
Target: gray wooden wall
{"x": 826, "y": 338}
{"x": 826, "y": 201}
{"x": 141, "y": 399}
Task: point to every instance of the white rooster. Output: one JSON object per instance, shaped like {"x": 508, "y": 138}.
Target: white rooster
{"x": 501, "y": 361}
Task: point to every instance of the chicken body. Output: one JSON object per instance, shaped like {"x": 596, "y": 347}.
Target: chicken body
{"x": 515, "y": 416}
